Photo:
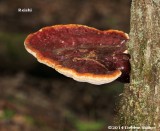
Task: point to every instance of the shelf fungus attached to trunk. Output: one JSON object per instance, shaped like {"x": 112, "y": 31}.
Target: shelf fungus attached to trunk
{"x": 83, "y": 53}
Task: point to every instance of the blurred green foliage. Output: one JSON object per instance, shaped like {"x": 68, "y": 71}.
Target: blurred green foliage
{"x": 89, "y": 125}
{"x": 29, "y": 119}
{"x": 81, "y": 124}
{"x": 6, "y": 114}
{"x": 12, "y": 51}
{"x": 13, "y": 44}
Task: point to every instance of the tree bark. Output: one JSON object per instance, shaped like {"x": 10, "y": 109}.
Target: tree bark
{"x": 140, "y": 104}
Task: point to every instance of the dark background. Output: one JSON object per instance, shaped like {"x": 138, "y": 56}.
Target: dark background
{"x": 34, "y": 97}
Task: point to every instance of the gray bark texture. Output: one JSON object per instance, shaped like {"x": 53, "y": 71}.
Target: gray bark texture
{"x": 140, "y": 104}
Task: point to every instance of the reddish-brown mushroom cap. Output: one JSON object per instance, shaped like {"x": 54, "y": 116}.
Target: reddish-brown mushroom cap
{"x": 80, "y": 52}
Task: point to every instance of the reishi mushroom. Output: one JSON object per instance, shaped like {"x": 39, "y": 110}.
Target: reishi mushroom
{"x": 83, "y": 53}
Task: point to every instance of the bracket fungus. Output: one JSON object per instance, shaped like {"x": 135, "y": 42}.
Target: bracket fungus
{"x": 83, "y": 53}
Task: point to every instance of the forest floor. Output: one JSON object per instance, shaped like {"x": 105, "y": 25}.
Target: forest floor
{"x": 31, "y": 103}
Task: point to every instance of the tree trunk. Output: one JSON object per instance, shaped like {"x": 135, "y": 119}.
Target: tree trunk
{"x": 140, "y": 104}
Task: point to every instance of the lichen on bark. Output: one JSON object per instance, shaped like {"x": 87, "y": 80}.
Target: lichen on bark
{"x": 140, "y": 104}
